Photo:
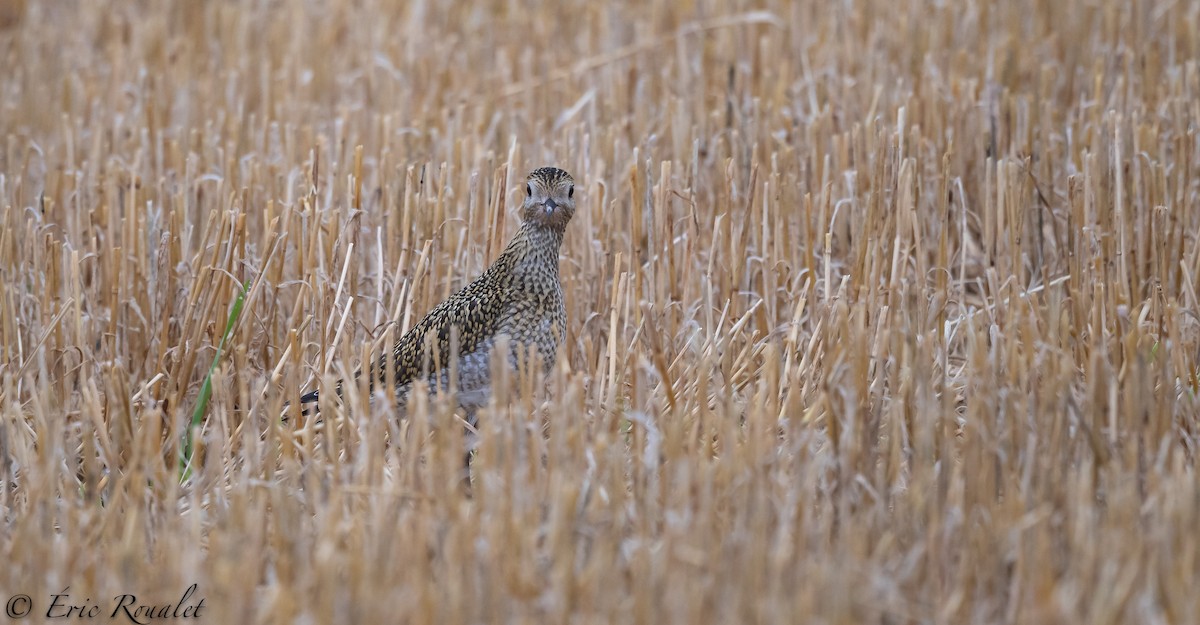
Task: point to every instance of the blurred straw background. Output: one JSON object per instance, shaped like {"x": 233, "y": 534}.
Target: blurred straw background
{"x": 880, "y": 311}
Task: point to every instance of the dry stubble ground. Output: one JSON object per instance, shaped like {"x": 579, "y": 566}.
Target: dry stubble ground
{"x": 881, "y": 312}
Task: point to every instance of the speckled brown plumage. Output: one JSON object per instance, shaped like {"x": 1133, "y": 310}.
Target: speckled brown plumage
{"x": 518, "y": 296}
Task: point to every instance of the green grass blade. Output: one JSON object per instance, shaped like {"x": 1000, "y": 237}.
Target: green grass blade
{"x": 185, "y": 456}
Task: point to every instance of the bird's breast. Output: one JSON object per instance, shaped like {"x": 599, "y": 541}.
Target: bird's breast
{"x": 536, "y": 320}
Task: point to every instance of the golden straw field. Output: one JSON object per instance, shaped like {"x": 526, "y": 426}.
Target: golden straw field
{"x": 879, "y": 312}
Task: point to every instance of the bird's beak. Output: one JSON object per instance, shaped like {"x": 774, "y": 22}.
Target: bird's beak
{"x": 550, "y": 206}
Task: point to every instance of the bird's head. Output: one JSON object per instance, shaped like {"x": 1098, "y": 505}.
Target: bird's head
{"x": 549, "y": 198}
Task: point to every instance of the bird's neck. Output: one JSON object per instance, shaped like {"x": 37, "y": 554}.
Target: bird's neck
{"x": 534, "y": 248}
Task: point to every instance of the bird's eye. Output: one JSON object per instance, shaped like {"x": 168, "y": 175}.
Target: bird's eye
{"x": 571, "y": 192}
{"x": 529, "y": 190}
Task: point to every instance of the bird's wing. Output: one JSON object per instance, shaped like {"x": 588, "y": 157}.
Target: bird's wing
{"x": 474, "y": 310}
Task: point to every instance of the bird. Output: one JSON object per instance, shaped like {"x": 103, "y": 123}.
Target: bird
{"x": 518, "y": 297}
